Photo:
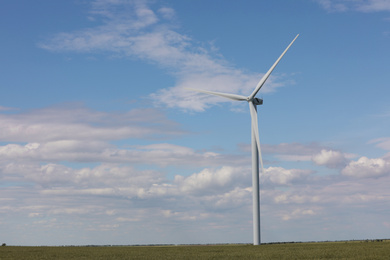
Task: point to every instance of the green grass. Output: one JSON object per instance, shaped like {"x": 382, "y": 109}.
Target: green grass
{"x": 323, "y": 250}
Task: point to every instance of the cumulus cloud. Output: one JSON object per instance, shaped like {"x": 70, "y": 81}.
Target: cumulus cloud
{"x": 123, "y": 198}
{"x": 365, "y": 167}
{"x": 281, "y": 176}
{"x": 330, "y": 158}
{"x": 213, "y": 181}
{"x": 132, "y": 28}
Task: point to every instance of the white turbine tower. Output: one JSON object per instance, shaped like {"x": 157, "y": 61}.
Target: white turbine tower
{"x": 256, "y": 151}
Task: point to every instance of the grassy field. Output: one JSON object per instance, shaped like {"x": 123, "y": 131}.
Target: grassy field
{"x": 323, "y": 250}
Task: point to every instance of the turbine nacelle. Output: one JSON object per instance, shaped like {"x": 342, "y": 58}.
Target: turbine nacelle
{"x": 257, "y": 101}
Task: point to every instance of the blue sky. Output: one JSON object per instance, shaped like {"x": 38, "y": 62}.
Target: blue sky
{"x": 101, "y": 143}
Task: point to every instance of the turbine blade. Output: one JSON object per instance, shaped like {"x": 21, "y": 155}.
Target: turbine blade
{"x": 225, "y": 95}
{"x": 255, "y": 128}
{"x": 265, "y": 77}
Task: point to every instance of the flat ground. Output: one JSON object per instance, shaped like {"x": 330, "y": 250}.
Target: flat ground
{"x": 376, "y": 249}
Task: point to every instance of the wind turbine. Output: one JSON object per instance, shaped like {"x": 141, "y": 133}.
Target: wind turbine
{"x": 256, "y": 151}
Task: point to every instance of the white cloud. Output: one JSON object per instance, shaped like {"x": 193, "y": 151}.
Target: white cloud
{"x": 102, "y": 180}
{"x": 298, "y": 213}
{"x": 359, "y": 5}
{"x": 308, "y": 152}
{"x": 330, "y": 158}
{"x": 79, "y": 123}
{"x": 138, "y": 31}
{"x": 167, "y": 13}
{"x": 235, "y": 198}
{"x": 383, "y": 143}
{"x": 281, "y": 176}
{"x": 374, "y": 6}
{"x": 365, "y": 167}
{"x": 79, "y": 135}
{"x": 333, "y": 5}
{"x": 2, "y": 108}
{"x": 320, "y": 155}
{"x": 210, "y": 181}
{"x": 230, "y": 81}
{"x": 133, "y": 200}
